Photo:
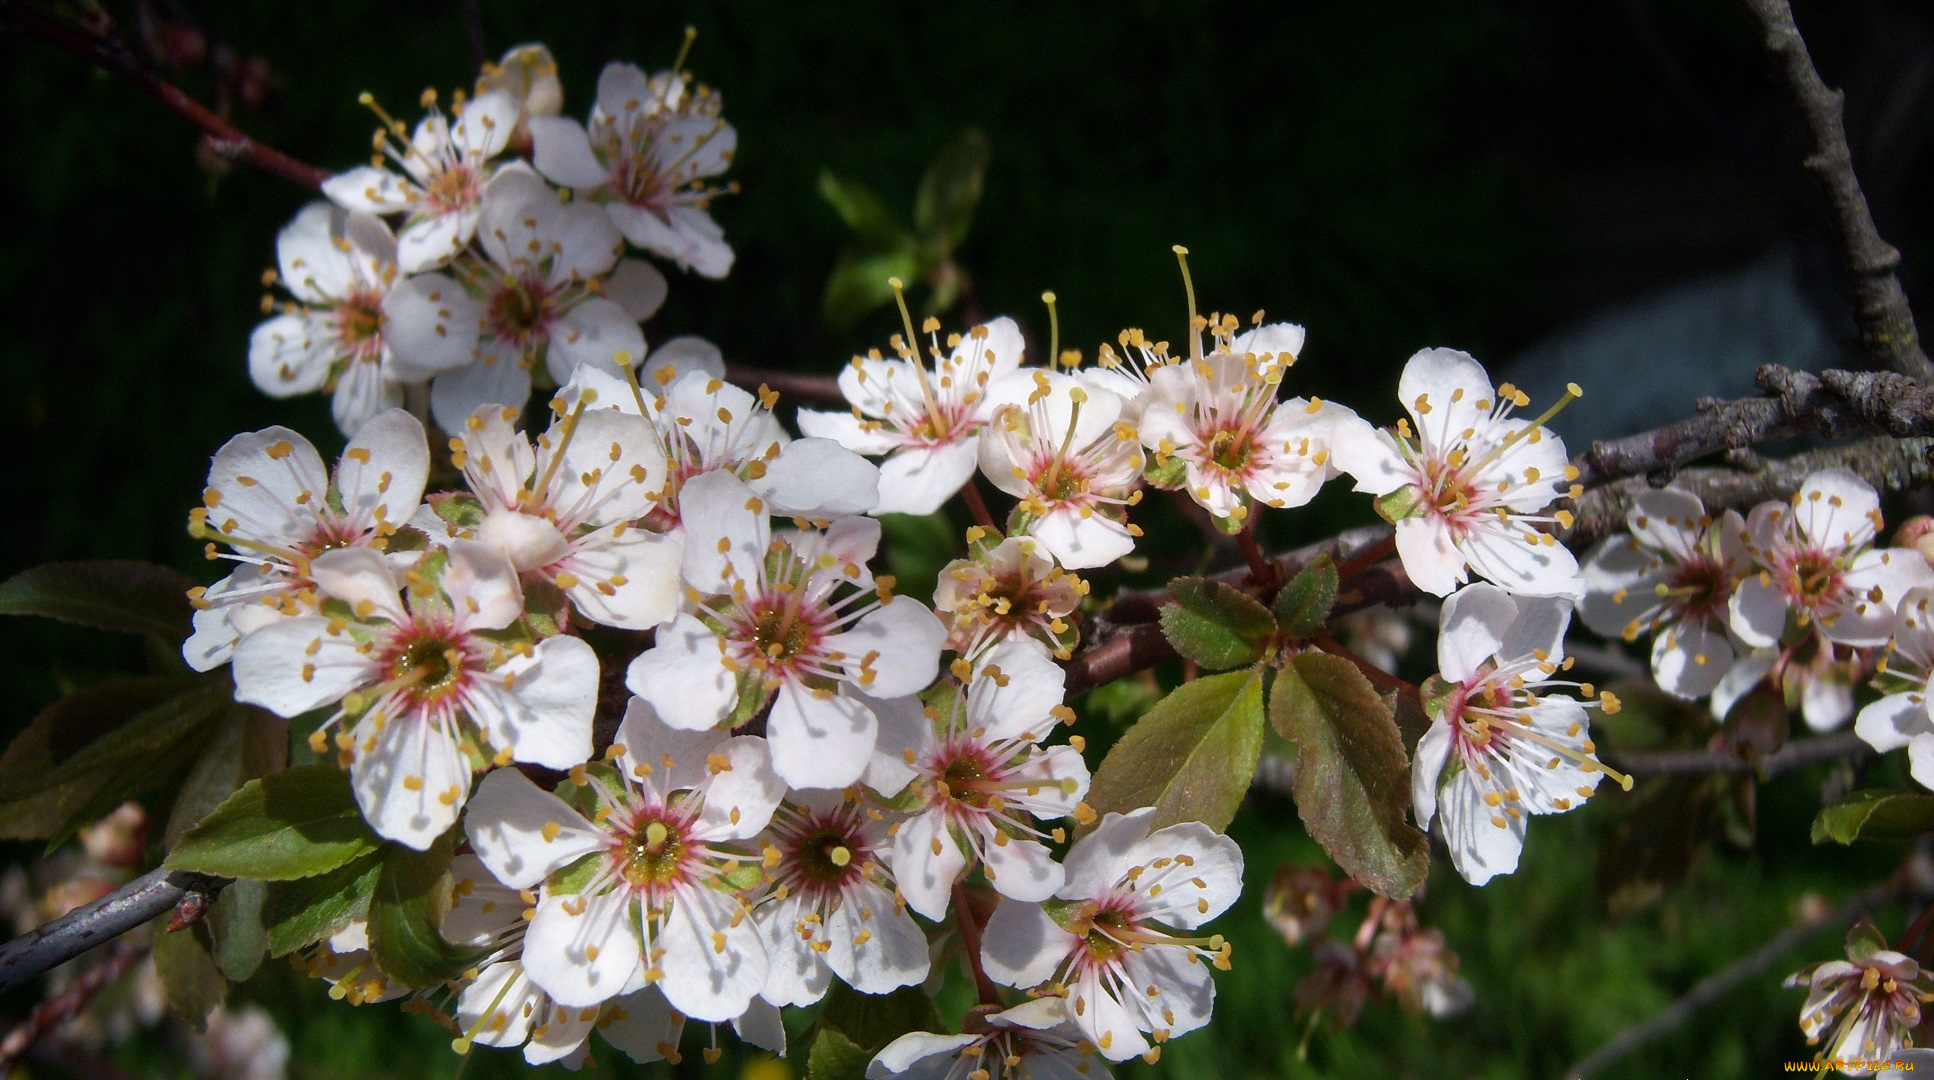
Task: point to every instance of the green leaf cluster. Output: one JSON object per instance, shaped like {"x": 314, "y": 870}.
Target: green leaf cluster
{"x": 884, "y": 246}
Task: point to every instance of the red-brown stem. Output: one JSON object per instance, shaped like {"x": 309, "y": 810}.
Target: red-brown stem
{"x": 977, "y": 503}
{"x": 1912, "y": 939}
{"x": 1370, "y": 671}
{"x": 1261, "y": 567}
{"x": 111, "y": 55}
{"x": 1365, "y": 559}
{"x": 69, "y": 1003}
{"x": 970, "y": 942}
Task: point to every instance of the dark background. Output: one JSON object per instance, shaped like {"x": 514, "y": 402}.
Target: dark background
{"x": 1481, "y": 174}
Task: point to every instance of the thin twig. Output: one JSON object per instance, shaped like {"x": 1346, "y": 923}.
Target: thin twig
{"x": 812, "y": 389}
{"x": 1797, "y": 754}
{"x": 1751, "y": 966}
{"x": 111, "y": 54}
{"x": 154, "y": 893}
{"x": 970, "y": 943}
{"x": 67, "y": 1004}
{"x": 1880, "y": 307}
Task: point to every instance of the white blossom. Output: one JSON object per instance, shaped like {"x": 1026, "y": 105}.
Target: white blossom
{"x": 1063, "y": 450}
{"x": 1117, "y": 943}
{"x": 445, "y": 169}
{"x": 1467, "y": 487}
{"x": 981, "y": 783}
{"x": 334, "y": 337}
{"x": 1818, "y": 567}
{"x": 1500, "y": 746}
{"x": 795, "y": 619}
{"x": 566, "y": 510}
{"x": 1217, "y": 418}
{"x": 649, "y": 899}
{"x": 418, "y": 684}
{"x": 270, "y": 500}
{"x": 1903, "y": 716}
{"x": 1871, "y": 1003}
{"x": 645, "y": 156}
{"x": 831, "y": 908}
{"x": 927, "y": 420}
{"x": 1031, "y": 1041}
{"x": 547, "y": 286}
{"x": 1673, "y": 576}
{"x": 1007, "y": 591}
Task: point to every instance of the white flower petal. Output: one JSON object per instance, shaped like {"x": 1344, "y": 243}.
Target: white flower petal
{"x": 819, "y": 742}
{"x": 714, "y": 963}
{"x": 926, "y": 863}
{"x": 482, "y": 586}
{"x": 684, "y": 675}
{"x": 492, "y": 380}
{"x": 412, "y": 783}
{"x": 561, "y": 150}
{"x": 1021, "y": 946}
{"x": 818, "y": 477}
{"x": 1894, "y": 721}
{"x": 383, "y": 470}
{"x": 594, "y": 332}
{"x": 275, "y": 669}
{"x": 639, "y": 288}
{"x": 581, "y": 949}
{"x": 361, "y": 578}
{"x": 920, "y": 479}
{"x": 370, "y": 190}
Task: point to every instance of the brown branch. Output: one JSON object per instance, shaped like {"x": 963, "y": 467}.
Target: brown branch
{"x": 1887, "y": 332}
{"x": 1716, "y": 986}
{"x": 1797, "y": 754}
{"x": 67, "y": 1004}
{"x": 1832, "y": 404}
{"x": 812, "y": 389}
{"x": 154, "y": 893}
{"x": 1887, "y": 464}
{"x": 109, "y": 53}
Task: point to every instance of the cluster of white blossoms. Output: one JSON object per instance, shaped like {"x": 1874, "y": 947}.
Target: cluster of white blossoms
{"x": 452, "y": 263}
{"x": 812, "y": 776}
{"x": 1795, "y": 596}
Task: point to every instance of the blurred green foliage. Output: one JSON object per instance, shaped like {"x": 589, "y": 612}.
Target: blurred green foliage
{"x": 1393, "y": 175}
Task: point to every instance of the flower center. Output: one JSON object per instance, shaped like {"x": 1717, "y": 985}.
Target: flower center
{"x": 520, "y": 311}
{"x": 1813, "y": 578}
{"x": 1698, "y": 588}
{"x": 430, "y": 664}
{"x": 653, "y": 855}
{"x": 780, "y": 634}
{"x": 828, "y": 856}
{"x": 1229, "y": 450}
{"x": 359, "y": 324}
{"x": 453, "y": 188}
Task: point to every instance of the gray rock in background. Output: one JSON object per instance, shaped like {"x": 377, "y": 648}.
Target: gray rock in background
{"x": 1643, "y": 363}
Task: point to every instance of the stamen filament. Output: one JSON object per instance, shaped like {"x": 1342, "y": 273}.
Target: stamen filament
{"x": 1188, "y": 285}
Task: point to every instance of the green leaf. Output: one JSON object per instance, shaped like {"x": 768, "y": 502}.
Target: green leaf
{"x": 99, "y": 747}
{"x": 1217, "y": 626}
{"x": 858, "y": 283}
{"x": 943, "y": 207}
{"x": 1864, "y": 939}
{"x": 302, "y": 912}
{"x": 405, "y": 910}
{"x": 1886, "y": 816}
{"x": 92, "y": 721}
{"x": 106, "y": 594}
{"x": 189, "y": 977}
{"x": 1352, "y": 776}
{"x": 870, "y": 1021}
{"x": 292, "y": 824}
{"x": 1191, "y": 756}
{"x": 235, "y": 925}
{"x": 863, "y": 212}
{"x": 1303, "y": 606}
{"x": 834, "y": 1057}
{"x": 245, "y": 743}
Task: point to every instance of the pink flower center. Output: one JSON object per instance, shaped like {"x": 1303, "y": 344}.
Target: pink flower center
{"x": 521, "y": 311}
{"x": 455, "y": 187}
{"x": 359, "y": 324}
{"x": 429, "y": 663}
{"x": 655, "y": 850}
{"x": 822, "y": 852}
